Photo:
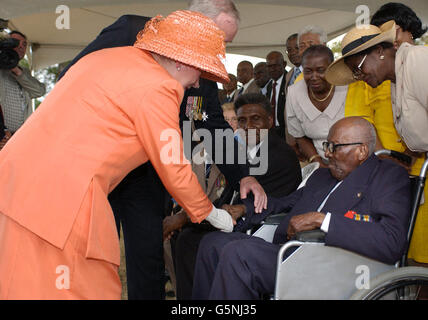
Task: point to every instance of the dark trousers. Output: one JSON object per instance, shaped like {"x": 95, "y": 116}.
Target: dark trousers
{"x": 234, "y": 266}
{"x": 138, "y": 204}
{"x": 184, "y": 254}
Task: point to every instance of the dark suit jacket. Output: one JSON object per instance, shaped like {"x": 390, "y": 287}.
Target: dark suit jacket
{"x": 207, "y": 93}
{"x": 283, "y": 174}
{"x": 378, "y": 188}
{"x": 123, "y": 32}
{"x": 2, "y": 134}
{"x": 280, "y": 130}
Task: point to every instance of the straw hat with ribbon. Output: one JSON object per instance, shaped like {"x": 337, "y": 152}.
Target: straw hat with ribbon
{"x": 190, "y": 38}
{"x": 356, "y": 40}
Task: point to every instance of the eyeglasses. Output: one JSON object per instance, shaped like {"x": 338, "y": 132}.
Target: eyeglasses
{"x": 290, "y": 50}
{"x": 303, "y": 45}
{"x": 358, "y": 74}
{"x": 331, "y": 146}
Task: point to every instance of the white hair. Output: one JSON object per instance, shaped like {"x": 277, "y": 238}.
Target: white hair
{"x": 212, "y": 8}
{"x": 371, "y": 139}
{"x": 316, "y": 30}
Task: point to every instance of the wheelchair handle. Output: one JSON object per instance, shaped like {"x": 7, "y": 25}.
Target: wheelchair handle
{"x": 395, "y": 154}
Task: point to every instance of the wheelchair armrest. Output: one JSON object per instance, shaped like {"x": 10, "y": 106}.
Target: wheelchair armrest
{"x": 275, "y": 219}
{"x": 311, "y": 236}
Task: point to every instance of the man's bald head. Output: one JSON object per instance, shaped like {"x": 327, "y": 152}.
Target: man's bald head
{"x": 352, "y": 141}
{"x": 276, "y": 64}
{"x": 359, "y": 129}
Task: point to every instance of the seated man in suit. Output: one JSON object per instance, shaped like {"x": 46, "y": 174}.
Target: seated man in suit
{"x": 361, "y": 202}
{"x": 279, "y": 175}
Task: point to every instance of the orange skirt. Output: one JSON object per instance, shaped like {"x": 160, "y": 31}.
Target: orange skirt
{"x": 32, "y": 268}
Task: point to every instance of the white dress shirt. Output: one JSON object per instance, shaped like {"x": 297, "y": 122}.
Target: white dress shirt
{"x": 278, "y": 88}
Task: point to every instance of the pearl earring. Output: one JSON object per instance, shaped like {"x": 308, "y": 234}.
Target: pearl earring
{"x": 382, "y": 57}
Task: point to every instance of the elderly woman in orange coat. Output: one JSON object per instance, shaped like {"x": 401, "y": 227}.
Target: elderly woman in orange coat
{"x": 107, "y": 116}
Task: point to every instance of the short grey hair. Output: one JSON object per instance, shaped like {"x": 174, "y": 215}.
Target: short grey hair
{"x": 367, "y": 132}
{"x": 316, "y": 30}
{"x": 371, "y": 139}
{"x": 212, "y": 8}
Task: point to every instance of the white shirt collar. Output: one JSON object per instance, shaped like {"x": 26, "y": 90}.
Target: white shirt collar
{"x": 231, "y": 94}
{"x": 265, "y": 88}
{"x": 245, "y": 86}
{"x": 253, "y": 151}
{"x": 278, "y": 82}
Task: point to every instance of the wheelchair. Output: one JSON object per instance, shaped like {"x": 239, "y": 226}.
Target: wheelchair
{"x": 337, "y": 274}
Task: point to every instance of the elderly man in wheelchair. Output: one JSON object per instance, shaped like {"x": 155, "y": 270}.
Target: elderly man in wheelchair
{"x": 351, "y": 221}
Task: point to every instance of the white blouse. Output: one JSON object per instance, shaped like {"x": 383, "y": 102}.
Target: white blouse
{"x": 304, "y": 119}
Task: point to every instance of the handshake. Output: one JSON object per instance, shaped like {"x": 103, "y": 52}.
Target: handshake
{"x": 223, "y": 219}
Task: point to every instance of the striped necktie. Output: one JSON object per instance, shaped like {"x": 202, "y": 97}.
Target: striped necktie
{"x": 273, "y": 101}
{"x": 296, "y": 73}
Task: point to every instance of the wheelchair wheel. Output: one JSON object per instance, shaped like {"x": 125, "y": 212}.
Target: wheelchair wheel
{"x": 398, "y": 284}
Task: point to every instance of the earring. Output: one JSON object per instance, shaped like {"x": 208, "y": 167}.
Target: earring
{"x": 178, "y": 68}
{"x": 382, "y": 57}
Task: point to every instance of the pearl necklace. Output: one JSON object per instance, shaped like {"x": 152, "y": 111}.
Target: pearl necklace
{"x": 326, "y": 97}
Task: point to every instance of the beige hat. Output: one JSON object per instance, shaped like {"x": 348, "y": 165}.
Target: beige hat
{"x": 190, "y": 38}
{"x": 356, "y": 40}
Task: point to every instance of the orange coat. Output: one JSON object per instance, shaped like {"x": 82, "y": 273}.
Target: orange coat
{"x": 102, "y": 120}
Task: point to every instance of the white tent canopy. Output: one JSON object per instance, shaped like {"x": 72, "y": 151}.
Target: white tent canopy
{"x": 264, "y": 24}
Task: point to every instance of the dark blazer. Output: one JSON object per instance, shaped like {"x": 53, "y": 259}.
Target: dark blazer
{"x": 280, "y": 130}
{"x": 123, "y": 32}
{"x": 283, "y": 174}
{"x": 207, "y": 95}
{"x": 282, "y": 177}
{"x": 377, "y": 188}
{"x": 2, "y": 127}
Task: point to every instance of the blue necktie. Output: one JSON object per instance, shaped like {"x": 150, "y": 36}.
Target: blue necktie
{"x": 294, "y": 76}
{"x": 207, "y": 172}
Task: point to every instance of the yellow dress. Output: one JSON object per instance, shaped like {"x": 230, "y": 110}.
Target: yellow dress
{"x": 375, "y": 106}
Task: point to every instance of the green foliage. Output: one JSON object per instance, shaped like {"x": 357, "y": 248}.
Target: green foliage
{"x": 336, "y": 48}
{"x": 48, "y": 76}
{"x": 423, "y": 40}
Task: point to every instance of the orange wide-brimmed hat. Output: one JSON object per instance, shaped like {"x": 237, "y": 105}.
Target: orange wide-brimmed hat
{"x": 190, "y": 38}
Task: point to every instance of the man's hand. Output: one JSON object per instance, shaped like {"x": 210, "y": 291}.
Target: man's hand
{"x": 260, "y": 198}
{"x": 304, "y": 222}
{"x": 173, "y": 223}
{"x": 236, "y": 211}
{"x": 16, "y": 71}
{"x": 221, "y": 219}
{"x": 5, "y": 139}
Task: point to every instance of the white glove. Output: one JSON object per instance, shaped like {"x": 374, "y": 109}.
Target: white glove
{"x": 220, "y": 219}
